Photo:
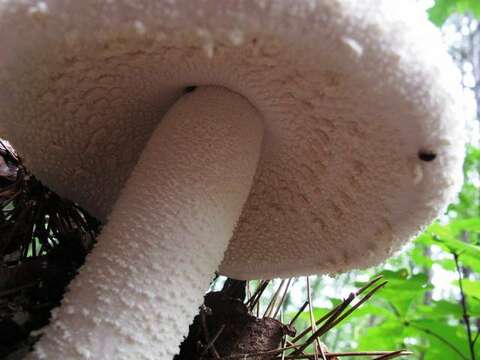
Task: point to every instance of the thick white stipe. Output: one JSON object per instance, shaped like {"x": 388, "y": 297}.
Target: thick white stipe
{"x": 141, "y": 286}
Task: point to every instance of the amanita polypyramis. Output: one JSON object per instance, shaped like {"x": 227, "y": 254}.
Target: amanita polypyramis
{"x": 302, "y": 149}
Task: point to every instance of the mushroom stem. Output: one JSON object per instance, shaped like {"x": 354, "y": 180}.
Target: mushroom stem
{"x": 143, "y": 283}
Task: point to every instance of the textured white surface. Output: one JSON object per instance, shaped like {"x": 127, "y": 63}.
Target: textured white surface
{"x": 144, "y": 281}
{"x": 350, "y": 92}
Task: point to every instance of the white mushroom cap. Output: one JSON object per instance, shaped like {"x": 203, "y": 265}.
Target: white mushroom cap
{"x": 302, "y": 151}
{"x": 349, "y": 91}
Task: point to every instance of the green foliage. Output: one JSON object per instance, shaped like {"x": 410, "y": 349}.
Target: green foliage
{"x": 442, "y": 9}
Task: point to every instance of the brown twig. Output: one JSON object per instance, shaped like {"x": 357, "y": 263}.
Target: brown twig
{"x": 282, "y": 300}
{"x": 271, "y": 304}
{"x": 263, "y": 353}
{"x": 463, "y": 302}
{"x": 368, "y": 285}
{"x": 312, "y": 322}
{"x": 337, "y": 318}
{"x": 392, "y": 355}
{"x": 356, "y": 306}
{"x": 206, "y": 334}
{"x": 329, "y": 314}
{"x": 212, "y": 342}
{"x": 299, "y": 312}
{"x": 338, "y": 308}
{"x": 257, "y": 294}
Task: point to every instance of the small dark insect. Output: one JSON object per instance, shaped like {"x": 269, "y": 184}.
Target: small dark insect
{"x": 190, "y": 89}
{"x": 426, "y": 155}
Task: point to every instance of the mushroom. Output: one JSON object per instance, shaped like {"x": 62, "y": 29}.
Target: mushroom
{"x": 285, "y": 138}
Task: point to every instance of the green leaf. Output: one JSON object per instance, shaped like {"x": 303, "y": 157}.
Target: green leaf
{"x": 441, "y": 309}
{"x": 433, "y": 331}
{"x": 442, "y": 9}
{"x": 471, "y": 288}
{"x": 471, "y": 6}
{"x": 447, "y": 237}
{"x": 372, "y": 310}
{"x": 447, "y": 264}
{"x": 440, "y": 12}
{"x": 417, "y": 255}
{"x": 457, "y": 227}
{"x": 388, "y": 335}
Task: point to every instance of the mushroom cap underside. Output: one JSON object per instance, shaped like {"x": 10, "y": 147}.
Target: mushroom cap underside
{"x": 363, "y": 136}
